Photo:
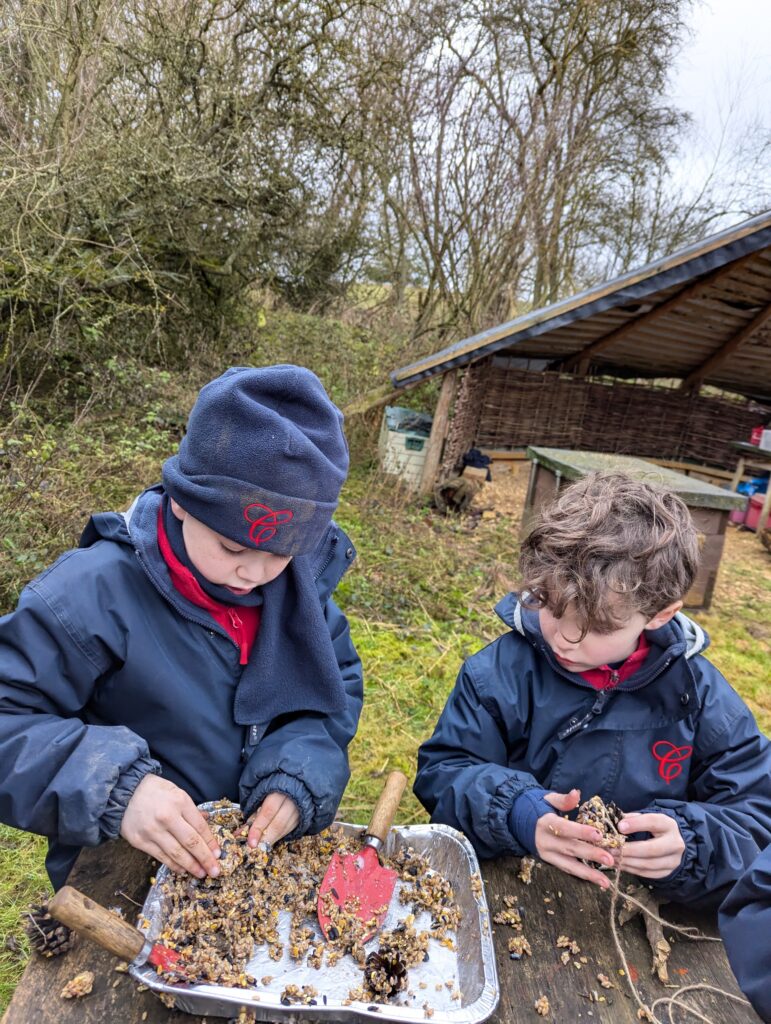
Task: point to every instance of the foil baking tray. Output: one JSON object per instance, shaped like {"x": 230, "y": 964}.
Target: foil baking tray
{"x": 470, "y": 967}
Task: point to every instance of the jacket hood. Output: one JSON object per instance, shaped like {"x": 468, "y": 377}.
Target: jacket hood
{"x": 680, "y": 632}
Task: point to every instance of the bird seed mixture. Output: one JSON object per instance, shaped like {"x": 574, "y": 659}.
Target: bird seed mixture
{"x": 81, "y": 985}
{"x": 605, "y": 818}
{"x": 216, "y": 923}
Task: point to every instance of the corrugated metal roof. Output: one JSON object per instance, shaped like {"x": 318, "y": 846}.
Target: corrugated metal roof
{"x": 677, "y": 313}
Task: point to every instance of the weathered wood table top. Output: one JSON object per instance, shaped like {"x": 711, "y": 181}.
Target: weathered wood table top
{"x": 694, "y": 492}
{"x": 752, "y": 452}
{"x": 115, "y": 874}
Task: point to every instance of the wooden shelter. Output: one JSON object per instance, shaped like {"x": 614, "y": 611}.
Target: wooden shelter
{"x": 580, "y": 373}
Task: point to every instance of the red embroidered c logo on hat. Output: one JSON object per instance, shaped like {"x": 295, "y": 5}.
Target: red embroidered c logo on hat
{"x": 670, "y": 758}
{"x": 265, "y": 522}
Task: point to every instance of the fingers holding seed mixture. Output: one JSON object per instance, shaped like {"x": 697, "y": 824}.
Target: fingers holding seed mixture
{"x": 567, "y": 844}
{"x": 658, "y": 856}
{"x": 276, "y": 817}
{"x": 162, "y": 820}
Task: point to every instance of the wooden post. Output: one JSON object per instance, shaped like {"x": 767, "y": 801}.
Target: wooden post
{"x": 738, "y": 474}
{"x": 438, "y": 432}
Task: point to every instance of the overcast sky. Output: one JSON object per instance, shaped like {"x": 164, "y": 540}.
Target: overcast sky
{"x": 723, "y": 76}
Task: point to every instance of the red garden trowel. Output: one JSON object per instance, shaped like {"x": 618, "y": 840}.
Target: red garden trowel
{"x": 113, "y": 933}
{"x": 357, "y": 882}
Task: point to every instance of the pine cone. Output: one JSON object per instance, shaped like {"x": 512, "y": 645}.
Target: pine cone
{"x": 385, "y": 972}
{"x": 47, "y": 935}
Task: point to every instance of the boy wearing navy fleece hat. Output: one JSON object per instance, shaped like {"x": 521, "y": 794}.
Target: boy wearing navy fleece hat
{"x": 190, "y": 648}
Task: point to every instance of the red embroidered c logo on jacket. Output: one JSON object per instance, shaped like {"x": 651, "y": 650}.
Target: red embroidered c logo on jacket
{"x": 670, "y": 758}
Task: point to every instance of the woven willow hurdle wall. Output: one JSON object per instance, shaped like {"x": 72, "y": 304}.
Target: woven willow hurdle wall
{"x": 499, "y": 407}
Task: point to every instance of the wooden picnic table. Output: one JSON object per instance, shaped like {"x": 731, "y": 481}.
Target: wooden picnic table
{"x": 116, "y": 874}
{"x": 553, "y": 468}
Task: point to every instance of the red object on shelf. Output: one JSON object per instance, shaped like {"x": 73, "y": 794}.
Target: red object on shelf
{"x": 755, "y": 435}
{"x": 753, "y": 512}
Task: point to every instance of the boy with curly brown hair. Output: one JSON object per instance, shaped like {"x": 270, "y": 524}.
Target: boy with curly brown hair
{"x": 600, "y": 687}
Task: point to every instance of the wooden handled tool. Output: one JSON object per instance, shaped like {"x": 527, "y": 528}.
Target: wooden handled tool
{"x": 358, "y": 882}
{"x": 110, "y": 931}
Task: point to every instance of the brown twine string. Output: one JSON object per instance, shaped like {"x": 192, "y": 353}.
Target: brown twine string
{"x": 673, "y": 1000}
{"x": 690, "y": 931}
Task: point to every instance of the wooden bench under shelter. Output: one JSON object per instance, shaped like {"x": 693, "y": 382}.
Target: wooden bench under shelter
{"x": 669, "y": 362}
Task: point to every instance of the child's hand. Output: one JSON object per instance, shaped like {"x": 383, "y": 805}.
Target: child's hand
{"x": 275, "y": 818}
{"x": 656, "y": 857}
{"x": 566, "y": 844}
{"x": 162, "y": 820}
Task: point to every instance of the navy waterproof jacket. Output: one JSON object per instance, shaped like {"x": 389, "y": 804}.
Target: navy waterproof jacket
{"x": 673, "y": 738}
{"x": 745, "y": 927}
{"x": 107, "y": 673}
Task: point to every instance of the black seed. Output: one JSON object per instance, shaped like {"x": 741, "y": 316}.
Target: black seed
{"x": 333, "y": 933}
{"x": 285, "y": 1001}
{"x": 374, "y": 1009}
{"x": 311, "y": 1002}
{"x": 334, "y": 893}
{"x": 426, "y": 956}
{"x": 325, "y": 1000}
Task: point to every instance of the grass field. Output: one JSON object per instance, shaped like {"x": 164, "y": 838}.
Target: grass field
{"x": 420, "y": 599}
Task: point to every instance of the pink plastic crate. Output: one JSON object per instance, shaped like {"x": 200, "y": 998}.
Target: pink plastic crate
{"x": 753, "y": 512}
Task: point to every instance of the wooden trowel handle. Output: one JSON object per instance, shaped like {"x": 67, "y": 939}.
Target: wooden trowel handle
{"x": 385, "y": 808}
{"x": 95, "y": 922}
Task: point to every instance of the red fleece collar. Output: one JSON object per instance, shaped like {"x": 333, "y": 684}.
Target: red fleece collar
{"x": 241, "y": 623}
{"x": 605, "y": 677}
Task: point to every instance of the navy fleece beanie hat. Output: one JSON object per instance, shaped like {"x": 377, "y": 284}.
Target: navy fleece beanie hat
{"x": 263, "y": 459}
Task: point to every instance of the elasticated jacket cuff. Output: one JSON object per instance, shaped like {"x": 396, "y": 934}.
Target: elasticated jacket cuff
{"x": 123, "y": 790}
{"x": 295, "y": 789}
{"x": 524, "y": 814}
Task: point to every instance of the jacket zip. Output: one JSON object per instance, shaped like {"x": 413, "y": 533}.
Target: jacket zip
{"x": 213, "y": 626}
{"x": 581, "y": 723}
{"x": 600, "y": 703}
{"x": 318, "y": 574}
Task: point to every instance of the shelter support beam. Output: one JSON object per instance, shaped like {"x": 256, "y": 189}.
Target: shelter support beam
{"x": 438, "y": 433}
{"x": 381, "y": 395}
{"x": 695, "y": 377}
{"x": 580, "y": 360}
